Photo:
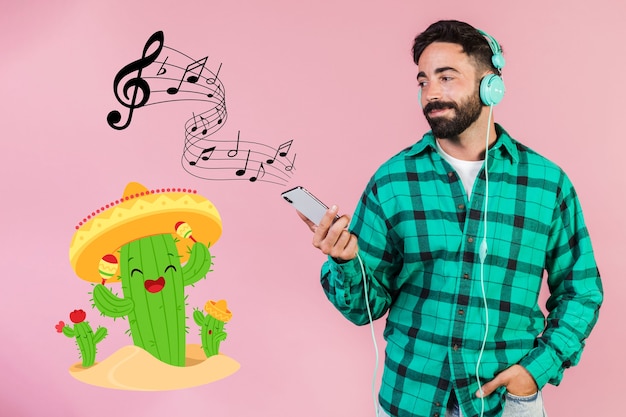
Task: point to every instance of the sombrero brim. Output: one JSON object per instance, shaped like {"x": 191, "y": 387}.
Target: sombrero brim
{"x": 133, "y": 219}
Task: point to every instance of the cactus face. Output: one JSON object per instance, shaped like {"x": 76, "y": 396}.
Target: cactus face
{"x": 153, "y": 282}
{"x": 152, "y": 278}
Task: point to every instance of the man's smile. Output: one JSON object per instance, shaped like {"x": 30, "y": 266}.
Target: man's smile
{"x": 438, "y": 112}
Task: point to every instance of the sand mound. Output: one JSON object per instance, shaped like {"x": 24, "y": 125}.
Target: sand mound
{"x": 132, "y": 368}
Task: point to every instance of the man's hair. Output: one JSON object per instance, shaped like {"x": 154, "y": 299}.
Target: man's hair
{"x": 474, "y": 44}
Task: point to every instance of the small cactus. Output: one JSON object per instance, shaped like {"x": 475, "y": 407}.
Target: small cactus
{"x": 212, "y": 325}
{"x": 86, "y": 339}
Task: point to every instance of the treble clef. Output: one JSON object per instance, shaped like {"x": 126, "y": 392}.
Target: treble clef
{"x": 136, "y": 84}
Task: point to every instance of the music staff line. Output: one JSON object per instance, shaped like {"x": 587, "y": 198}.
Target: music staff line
{"x": 206, "y": 126}
{"x": 215, "y": 88}
{"x": 213, "y": 95}
{"x": 182, "y": 99}
{"x": 215, "y": 164}
{"x": 275, "y": 158}
{"x": 211, "y": 85}
{"x": 213, "y": 80}
{"x": 195, "y": 70}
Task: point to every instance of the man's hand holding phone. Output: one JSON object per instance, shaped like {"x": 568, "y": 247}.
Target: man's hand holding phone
{"x": 331, "y": 235}
{"x": 330, "y": 231}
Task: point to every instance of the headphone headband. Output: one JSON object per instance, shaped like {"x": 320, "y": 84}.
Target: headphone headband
{"x": 497, "y": 59}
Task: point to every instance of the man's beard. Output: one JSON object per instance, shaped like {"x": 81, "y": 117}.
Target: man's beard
{"x": 464, "y": 115}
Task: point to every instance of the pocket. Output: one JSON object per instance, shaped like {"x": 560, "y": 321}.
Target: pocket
{"x": 523, "y": 405}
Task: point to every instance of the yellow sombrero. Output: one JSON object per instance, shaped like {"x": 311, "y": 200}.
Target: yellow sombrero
{"x": 218, "y": 310}
{"x": 140, "y": 213}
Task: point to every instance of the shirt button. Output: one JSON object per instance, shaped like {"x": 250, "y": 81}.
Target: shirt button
{"x": 461, "y": 312}
{"x": 438, "y": 404}
{"x": 461, "y": 206}
{"x": 450, "y": 174}
{"x": 436, "y": 415}
{"x": 466, "y": 276}
{"x": 470, "y": 239}
{"x": 455, "y": 347}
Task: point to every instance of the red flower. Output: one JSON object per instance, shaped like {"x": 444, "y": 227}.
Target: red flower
{"x": 60, "y": 326}
{"x": 78, "y": 316}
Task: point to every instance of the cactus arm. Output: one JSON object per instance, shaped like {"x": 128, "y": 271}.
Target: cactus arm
{"x": 198, "y": 264}
{"x": 68, "y": 331}
{"x": 198, "y": 317}
{"x": 110, "y": 304}
{"x": 101, "y": 333}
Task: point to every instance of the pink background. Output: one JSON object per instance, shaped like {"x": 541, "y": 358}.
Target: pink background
{"x": 335, "y": 76}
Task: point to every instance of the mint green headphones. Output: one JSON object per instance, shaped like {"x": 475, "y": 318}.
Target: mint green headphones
{"x": 491, "y": 86}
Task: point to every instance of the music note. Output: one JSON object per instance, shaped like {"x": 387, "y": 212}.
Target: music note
{"x": 212, "y": 80}
{"x": 221, "y": 111}
{"x": 218, "y": 91}
{"x": 241, "y": 172}
{"x": 205, "y": 124}
{"x": 278, "y": 151}
{"x": 162, "y": 70}
{"x": 233, "y": 152}
{"x": 290, "y": 167}
{"x": 195, "y": 125}
{"x": 204, "y": 158}
{"x": 260, "y": 170}
{"x": 193, "y": 78}
{"x": 136, "y": 84}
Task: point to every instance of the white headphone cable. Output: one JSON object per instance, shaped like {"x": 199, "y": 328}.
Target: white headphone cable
{"x": 369, "y": 315}
{"x": 483, "y": 255}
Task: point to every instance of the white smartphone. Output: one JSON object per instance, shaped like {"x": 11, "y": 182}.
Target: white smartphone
{"x": 306, "y": 203}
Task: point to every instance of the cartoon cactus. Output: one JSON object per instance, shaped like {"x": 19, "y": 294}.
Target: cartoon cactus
{"x": 153, "y": 282}
{"x": 86, "y": 339}
{"x": 144, "y": 240}
{"x": 212, "y": 325}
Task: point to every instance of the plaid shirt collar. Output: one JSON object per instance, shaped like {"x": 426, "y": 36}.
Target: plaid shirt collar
{"x": 504, "y": 143}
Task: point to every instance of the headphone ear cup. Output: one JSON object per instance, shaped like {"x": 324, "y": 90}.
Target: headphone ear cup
{"x": 498, "y": 60}
{"x": 491, "y": 89}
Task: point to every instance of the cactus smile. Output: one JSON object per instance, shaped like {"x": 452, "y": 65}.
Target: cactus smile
{"x": 154, "y": 286}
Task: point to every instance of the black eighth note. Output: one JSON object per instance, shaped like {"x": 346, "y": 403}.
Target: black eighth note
{"x": 282, "y": 151}
{"x": 202, "y": 155}
{"x": 192, "y": 78}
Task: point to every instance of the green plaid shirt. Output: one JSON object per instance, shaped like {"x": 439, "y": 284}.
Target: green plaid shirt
{"x": 419, "y": 239}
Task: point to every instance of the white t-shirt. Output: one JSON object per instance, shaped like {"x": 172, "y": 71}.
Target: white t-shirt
{"x": 467, "y": 170}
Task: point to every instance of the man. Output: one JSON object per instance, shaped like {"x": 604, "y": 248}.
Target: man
{"x": 454, "y": 242}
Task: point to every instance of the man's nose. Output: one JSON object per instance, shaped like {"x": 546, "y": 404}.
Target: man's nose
{"x": 432, "y": 92}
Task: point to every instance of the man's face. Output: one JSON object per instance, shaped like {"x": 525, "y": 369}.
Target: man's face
{"x": 449, "y": 86}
